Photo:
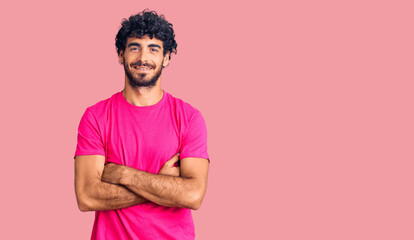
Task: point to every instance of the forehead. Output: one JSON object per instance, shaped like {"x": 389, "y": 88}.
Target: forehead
{"x": 144, "y": 40}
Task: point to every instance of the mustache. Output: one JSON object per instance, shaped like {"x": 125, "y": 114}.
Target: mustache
{"x": 142, "y": 64}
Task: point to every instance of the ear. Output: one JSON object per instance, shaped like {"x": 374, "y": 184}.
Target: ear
{"x": 166, "y": 59}
{"x": 121, "y": 57}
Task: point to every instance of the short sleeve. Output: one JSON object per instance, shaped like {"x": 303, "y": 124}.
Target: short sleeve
{"x": 89, "y": 136}
{"x": 194, "y": 142}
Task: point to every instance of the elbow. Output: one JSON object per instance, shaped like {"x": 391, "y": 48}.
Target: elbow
{"x": 195, "y": 206}
{"x": 84, "y": 203}
{"x": 83, "y": 207}
{"x": 195, "y": 201}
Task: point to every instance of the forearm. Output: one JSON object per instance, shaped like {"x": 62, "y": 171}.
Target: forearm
{"x": 100, "y": 195}
{"x": 169, "y": 191}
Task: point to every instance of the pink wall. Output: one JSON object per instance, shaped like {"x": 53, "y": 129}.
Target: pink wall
{"x": 308, "y": 104}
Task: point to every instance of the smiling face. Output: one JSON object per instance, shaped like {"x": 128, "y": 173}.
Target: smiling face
{"x": 143, "y": 61}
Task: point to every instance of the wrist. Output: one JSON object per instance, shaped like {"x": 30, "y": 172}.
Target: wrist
{"x": 125, "y": 176}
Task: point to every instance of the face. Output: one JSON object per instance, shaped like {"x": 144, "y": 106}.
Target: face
{"x": 143, "y": 61}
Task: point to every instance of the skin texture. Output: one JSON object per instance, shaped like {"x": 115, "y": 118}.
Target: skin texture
{"x": 143, "y": 96}
{"x": 106, "y": 187}
{"x": 185, "y": 191}
{"x": 95, "y": 195}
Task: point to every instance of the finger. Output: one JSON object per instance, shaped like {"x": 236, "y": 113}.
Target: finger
{"x": 174, "y": 159}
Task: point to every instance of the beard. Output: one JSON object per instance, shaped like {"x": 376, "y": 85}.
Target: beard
{"x": 143, "y": 80}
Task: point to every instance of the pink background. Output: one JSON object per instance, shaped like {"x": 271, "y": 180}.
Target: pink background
{"x": 308, "y": 104}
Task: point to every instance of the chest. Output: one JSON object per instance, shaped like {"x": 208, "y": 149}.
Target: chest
{"x": 142, "y": 142}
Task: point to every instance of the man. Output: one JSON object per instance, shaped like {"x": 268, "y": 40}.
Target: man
{"x": 141, "y": 160}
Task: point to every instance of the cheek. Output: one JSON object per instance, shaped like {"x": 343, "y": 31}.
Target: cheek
{"x": 160, "y": 62}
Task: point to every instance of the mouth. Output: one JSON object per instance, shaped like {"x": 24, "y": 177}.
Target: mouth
{"x": 141, "y": 68}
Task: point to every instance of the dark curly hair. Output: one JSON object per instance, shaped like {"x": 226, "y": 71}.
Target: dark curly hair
{"x": 146, "y": 23}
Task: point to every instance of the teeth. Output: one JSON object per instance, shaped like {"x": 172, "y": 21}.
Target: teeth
{"x": 142, "y": 68}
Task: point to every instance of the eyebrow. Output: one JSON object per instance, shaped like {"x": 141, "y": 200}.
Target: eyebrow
{"x": 134, "y": 44}
{"x": 139, "y": 45}
{"x": 154, "y": 45}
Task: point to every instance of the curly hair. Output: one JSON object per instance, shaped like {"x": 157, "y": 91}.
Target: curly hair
{"x": 146, "y": 23}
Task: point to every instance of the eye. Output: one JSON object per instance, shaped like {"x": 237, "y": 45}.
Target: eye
{"x": 134, "y": 49}
{"x": 154, "y": 50}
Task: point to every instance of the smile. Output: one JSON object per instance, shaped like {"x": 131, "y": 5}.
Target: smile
{"x": 142, "y": 68}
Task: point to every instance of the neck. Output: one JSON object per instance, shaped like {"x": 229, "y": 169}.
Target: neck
{"x": 142, "y": 96}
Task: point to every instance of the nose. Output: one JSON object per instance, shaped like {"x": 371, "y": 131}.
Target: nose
{"x": 143, "y": 56}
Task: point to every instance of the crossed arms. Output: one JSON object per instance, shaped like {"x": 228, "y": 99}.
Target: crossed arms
{"x": 107, "y": 187}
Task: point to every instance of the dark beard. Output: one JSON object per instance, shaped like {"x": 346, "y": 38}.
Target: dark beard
{"x": 136, "y": 83}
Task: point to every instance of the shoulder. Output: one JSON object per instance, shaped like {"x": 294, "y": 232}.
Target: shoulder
{"x": 184, "y": 109}
{"x": 101, "y": 108}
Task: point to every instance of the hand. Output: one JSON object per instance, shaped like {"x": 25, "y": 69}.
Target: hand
{"x": 169, "y": 169}
{"x": 112, "y": 173}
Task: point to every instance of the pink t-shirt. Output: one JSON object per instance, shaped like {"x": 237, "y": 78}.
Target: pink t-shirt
{"x": 143, "y": 138}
